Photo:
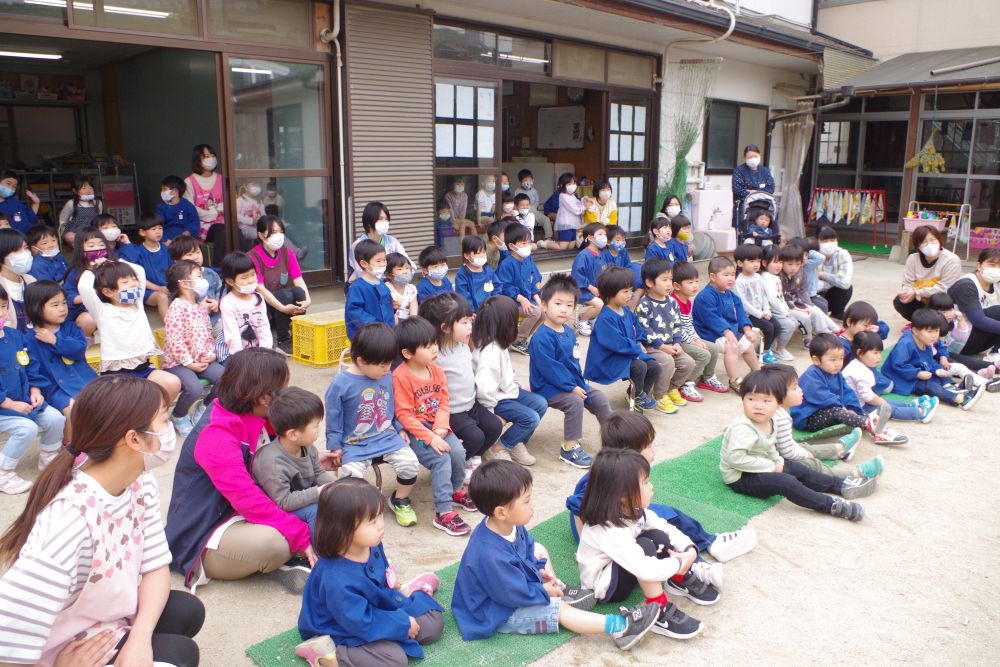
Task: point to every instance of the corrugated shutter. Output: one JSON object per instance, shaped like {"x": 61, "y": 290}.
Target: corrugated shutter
{"x": 839, "y": 67}
{"x": 391, "y": 105}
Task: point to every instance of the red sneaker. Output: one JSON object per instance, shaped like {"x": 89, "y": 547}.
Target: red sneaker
{"x": 452, "y": 524}
{"x": 690, "y": 394}
{"x": 464, "y": 500}
{"x": 712, "y": 384}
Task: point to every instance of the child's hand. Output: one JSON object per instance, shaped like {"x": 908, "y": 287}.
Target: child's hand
{"x": 198, "y": 366}
{"x": 767, "y": 316}
{"x": 20, "y": 406}
{"x": 673, "y": 349}
{"x": 43, "y": 335}
{"x": 686, "y": 557}
{"x": 945, "y": 364}
{"x": 580, "y": 391}
{"x": 289, "y": 309}
{"x": 414, "y": 629}
{"x": 924, "y": 375}
{"x": 124, "y": 239}
{"x": 700, "y": 343}
{"x": 941, "y": 373}
{"x": 553, "y": 590}
{"x": 731, "y": 340}
{"x": 310, "y": 556}
{"x": 439, "y": 445}
{"x": 36, "y": 397}
{"x": 330, "y": 460}
{"x": 211, "y": 305}
{"x": 779, "y": 465}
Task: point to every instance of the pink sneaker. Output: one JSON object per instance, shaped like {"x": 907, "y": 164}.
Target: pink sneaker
{"x": 428, "y": 582}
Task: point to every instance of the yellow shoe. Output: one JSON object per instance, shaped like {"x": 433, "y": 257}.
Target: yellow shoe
{"x": 676, "y": 398}
{"x": 665, "y": 405}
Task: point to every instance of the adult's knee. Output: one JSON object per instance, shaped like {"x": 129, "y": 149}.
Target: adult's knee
{"x": 176, "y": 650}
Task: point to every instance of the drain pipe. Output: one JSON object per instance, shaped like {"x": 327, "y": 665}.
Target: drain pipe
{"x": 708, "y": 4}
{"x": 333, "y": 37}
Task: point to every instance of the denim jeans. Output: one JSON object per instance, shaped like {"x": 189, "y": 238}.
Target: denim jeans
{"x": 523, "y": 413}
{"x": 21, "y": 431}
{"x": 935, "y": 387}
{"x": 903, "y": 411}
{"x": 447, "y": 470}
{"x": 308, "y": 514}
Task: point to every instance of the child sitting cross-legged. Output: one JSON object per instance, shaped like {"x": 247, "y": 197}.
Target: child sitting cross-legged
{"x": 616, "y": 349}
{"x": 628, "y": 430}
{"x": 587, "y": 267}
{"x": 953, "y": 339}
{"x": 288, "y": 468}
{"x": 624, "y": 544}
{"x": 862, "y": 316}
{"x": 866, "y": 348}
{"x": 506, "y": 583}
{"x": 913, "y": 369}
{"x": 555, "y": 371}
{"x": 354, "y": 610}
{"x": 750, "y": 462}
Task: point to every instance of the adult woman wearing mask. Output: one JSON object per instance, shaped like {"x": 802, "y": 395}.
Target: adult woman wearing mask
{"x": 930, "y": 270}
{"x": 486, "y": 202}
{"x": 977, "y": 296}
{"x": 204, "y": 190}
{"x": 671, "y": 207}
{"x": 285, "y": 291}
{"x": 375, "y": 221}
{"x": 15, "y": 263}
{"x": 88, "y": 581}
{"x": 750, "y": 177}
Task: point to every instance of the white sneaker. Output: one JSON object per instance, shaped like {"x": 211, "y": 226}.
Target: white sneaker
{"x": 728, "y": 546}
{"x": 783, "y": 355}
{"x": 470, "y": 467}
{"x": 498, "y": 453}
{"x": 45, "y": 458}
{"x": 709, "y": 573}
{"x": 12, "y": 484}
{"x": 520, "y": 454}
{"x": 583, "y": 328}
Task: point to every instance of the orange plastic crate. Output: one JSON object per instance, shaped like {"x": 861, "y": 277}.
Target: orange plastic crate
{"x": 318, "y": 339}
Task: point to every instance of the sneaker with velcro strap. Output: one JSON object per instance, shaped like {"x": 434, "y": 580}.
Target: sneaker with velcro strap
{"x": 858, "y": 487}
{"x": 639, "y": 620}
{"x": 579, "y": 598}
{"x": 845, "y": 509}
{"x": 672, "y": 622}
{"x": 693, "y": 588}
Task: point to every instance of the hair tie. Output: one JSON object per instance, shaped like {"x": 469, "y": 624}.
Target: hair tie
{"x": 72, "y": 451}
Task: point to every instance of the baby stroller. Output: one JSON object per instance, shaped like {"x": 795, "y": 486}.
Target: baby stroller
{"x": 752, "y": 206}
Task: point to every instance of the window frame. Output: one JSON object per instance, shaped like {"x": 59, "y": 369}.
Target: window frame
{"x": 706, "y": 134}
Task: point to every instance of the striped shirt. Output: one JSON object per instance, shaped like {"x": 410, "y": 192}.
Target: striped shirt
{"x": 688, "y": 334}
{"x": 783, "y": 438}
{"x": 58, "y": 560}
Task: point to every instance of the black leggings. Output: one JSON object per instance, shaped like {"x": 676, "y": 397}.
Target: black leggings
{"x": 906, "y": 310}
{"x": 769, "y": 328}
{"x": 654, "y": 543}
{"x": 982, "y": 341}
{"x": 477, "y": 428}
{"x": 181, "y": 620}
{"x": 283, "y": 322}
{"x": 644, "y": 375}
{"x": 798, "y": 483}
{"x": 837, "y": 299}
{"x": 834, "y": 415}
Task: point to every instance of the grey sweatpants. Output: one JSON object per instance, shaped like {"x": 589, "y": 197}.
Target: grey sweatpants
{"x": 572, "y": 407}
{"x": 387, "y": 653}
{"x": 704, "y": 359}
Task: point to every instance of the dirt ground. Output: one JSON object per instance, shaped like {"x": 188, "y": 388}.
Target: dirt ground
{"x": 915, "y": 582}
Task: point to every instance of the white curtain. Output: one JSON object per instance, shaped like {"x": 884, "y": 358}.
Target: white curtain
{"x": 798, "y": 134}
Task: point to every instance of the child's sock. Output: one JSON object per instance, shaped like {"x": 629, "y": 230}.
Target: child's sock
{"x": 679, "y": 578}
{"x": 660, "y": 599}
{"x": 614, "y": 624}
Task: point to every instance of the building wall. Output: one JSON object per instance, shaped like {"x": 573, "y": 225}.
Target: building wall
{"x": 892, "y": 27}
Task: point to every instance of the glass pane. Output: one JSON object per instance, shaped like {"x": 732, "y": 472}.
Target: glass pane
{"x": 467, "y": 137}
{"x": 283, "y": 22}
{"x": 615, "y": 111}
{"x": 637, "y": 185}
{"x": 464, "y": 141}
{"x": 984, "y": 197}
{"x": 625, "y": 147}
{"x": 954, "y": 138}
{"x": 639, "y": 148}
{"x": 613, "y": 153}
{"x": 893, "y": 186}
{"x": 464, "y": 205}
{"x": 444, "y": 100}
{"x": 474, "y": 46}
{"x": 640, "y": 119}
{"x": 487, "y": 104}
{"x": 526, "y": 55}
{"x": 723, "y": 120}
{"x": 55, "y": 9}
{"x": 824, "y": 180}
{"x": 885, "y": 146}
{"x": 484, "y": 141}
{"x": 174, "y": 17}
{"x": 465, "y": 106}
{"x": 949, "y": 101}
{"x": 277, "y": 114}
{"x": 628, "y": 69}
{"x": 986, "y": 153}
{"x": 576, "y": 61}
{"x": 888, "y": 103}
{"x": 989, "y": 100}
{"x": 444, "y": 140}
{"x": 302, "y": 204}
{"x": 634, "y": 219}
{"x": 838, "y": 143}
{"x": 941, "y": 190}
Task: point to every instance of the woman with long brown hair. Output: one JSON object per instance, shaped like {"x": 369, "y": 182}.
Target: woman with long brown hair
{"x": 87, "y": 579}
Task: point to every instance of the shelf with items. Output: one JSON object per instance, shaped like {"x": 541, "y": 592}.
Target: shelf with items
{"x": 115, "y": 183}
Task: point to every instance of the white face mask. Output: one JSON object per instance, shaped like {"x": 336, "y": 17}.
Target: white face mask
{"x": 459, "y": 189}
{"x": 111, "y": 234}
{"x": 601, "y": 241}
{"x": 931, "y": 250}
{"x": 167, "y": 196}
{"x": 828, "y": 249}
{"x": 20, "y": 262}
{"x": 382, "y": 227}
{"x": 247, "y": 289}
{"x": 508, "y": 208}
{"x": 604, "y": 195}
{"x": 479, "y": 261}
{"x": 49, "y": 253}
{"x": 991, "y": 274}
{"x": 209, "y": 163}
{"x": 673, "y": 211}
{"x": 571, "y": 188}
{"x": 86, "y": 197}
{"x": 524, "y": 251}
{"x": 254, "y": 190}
{"x": 378, "y": 271}
{"x": 275, "y": 241}
{"x": 753, "y": 162}
{"x": 168, "y": 443}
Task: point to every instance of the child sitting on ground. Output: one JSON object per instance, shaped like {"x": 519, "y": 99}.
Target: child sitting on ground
{"x": 398, "y": 278}
{"x": 359, "y": 414}
{"x": 913, "y": 369}
{"x": 750, "y": 288}
{"x": 661, "y": 323}
{"x": 354, "y": 610}
{"x": 434, "y": 265}
{"x": 829, "y": 400}
{"x": 950, "y": 345}
{"x": 521, "y": 281}
{"x": 555, "y": 371}
{"x": 866, "y": 348}
{"x": 750, "y": 463}
{"x": 810, "y": 318}
{"x": 624, "y": 544}
{"x": 420, "y": 391}
{"x": 288, "y": 468}
{"x": 47, "y": 263}
{"x": 658, "y": 240}
{"x": 506, "y": 583}
{"x": 475, "y": 280}
{"x": 628, "y": 430}
{"x": 861, "y": 316}
{"x": 616, "y": 350}
{"x": 718, "y": 315}
{"x": 587, "y": 267}
{"x": 705, "y": 353}
{"x": 368, "y": 299}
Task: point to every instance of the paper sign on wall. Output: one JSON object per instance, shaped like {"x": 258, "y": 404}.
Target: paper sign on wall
{"x": 561, "y": 127}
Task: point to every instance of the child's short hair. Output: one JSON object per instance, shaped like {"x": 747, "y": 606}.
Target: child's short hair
{"x": 771, "y": 253}
{"x": 991, "y": 255}
{"x": 523, "y": 174}
{"x": 496, "y": 322}
{"x": 786, "y": 371}
{"x": 413, "y": 333}
{"x": 823, "y": 343}
{"x": 444, "y": 310}
{"x": 293, "y": 408}
{"x": 234, "y": 264}
{"x": 654, "y": 268}
{"x": 342, "y": 507}
{"x": 624, "y": 429}
{"x": 514, "y": 233}
{"x": 472, "y": 244}
{"x": 866, "y": 341}
{"x": 655, "y": 225}
{"x": 178, "y": 271}
{"x": 394, "y": 260}
{"x": 498, "y": 483}
{"x": 940, "y": 301}
{"x": 767, "y": 382}
{"x": 375, "y": 344}
{"x": 182, "y": 245}
{"x": 173, "y": 182}
{"x": 860, "y": 312}
{"x": 3, "y": 217}
{"x": 591, "y": 229}
{"x": 564, "y": 180}
{"x": 925, "y": 318}
{"x": 684, "y": 271}
{"x": 36, "y": 295}
{"x": 559, "y": 283}
{"x": 719, "y": 264}
{"x": 613, "y": 495}
{"x": 149, "y": 220}
{"x": 39, "y": 232}
{"x": 107, "y": 275}
{"x": 495, "y": 229}
{"x": 764, "y": 214}
{"x": 790, "y": 253}
{"x": 430, "y": 256}
{"x": 678, "y": 222}
{"x": 827, "y": 233}
{"x": 102, "y": 219}
{"x": 612, "y": 280}
{"x": 748, "y": 252}
{"x": 614, "y": 232}
{"x": 367, "y": 250}
{"x": 520, "y": 197}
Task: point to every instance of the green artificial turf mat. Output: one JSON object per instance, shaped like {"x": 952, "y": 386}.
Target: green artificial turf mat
{"x": 866, "y": 248}
{"x": 690, "y": 482}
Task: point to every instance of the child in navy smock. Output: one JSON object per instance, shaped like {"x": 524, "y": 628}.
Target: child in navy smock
{"x": 520, "y": 280}
{"x": 154, "y": 257}
{"x": 48, "y": 263}
{"x": 434, "y": 263}
{"x": 587, "y": 266}
{"x": 476, "y": 281}
{"x": 178, "y": 213}
{"x": 353, "y": 595}
{"x": 615, "y": 351}
{"x": 21, "y": 217}
{"x": 827, "y": 398}
{"x": 368, "y": 299}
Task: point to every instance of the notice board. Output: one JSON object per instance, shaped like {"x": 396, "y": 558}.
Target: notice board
{"x": 561, "y": 127}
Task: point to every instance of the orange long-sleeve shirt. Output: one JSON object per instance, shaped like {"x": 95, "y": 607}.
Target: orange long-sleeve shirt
{"x": 421, "y": 404}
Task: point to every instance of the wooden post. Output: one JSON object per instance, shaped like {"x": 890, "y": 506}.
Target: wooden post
{"x": 912, "y": 132}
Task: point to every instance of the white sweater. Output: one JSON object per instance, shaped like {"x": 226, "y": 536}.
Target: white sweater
{"x": 600, "y": 546}
{"x": 495, "y": 380}
{"x": 125, "y": 331}
{"x": 861, "y": 379}
{"x": 751, "y": 290}
{"x": 774, "y": 293}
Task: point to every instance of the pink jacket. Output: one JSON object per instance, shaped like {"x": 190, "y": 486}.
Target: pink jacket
{"x": 187, "y": 332}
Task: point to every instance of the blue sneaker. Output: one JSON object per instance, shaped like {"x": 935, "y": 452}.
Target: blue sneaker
{"x": 768, "y": 358}
{"x": 850, "y": 442}
{"x": 644, "y": 401}
{"x": 927, "y": 408}
{"x": 576, "y": 457}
